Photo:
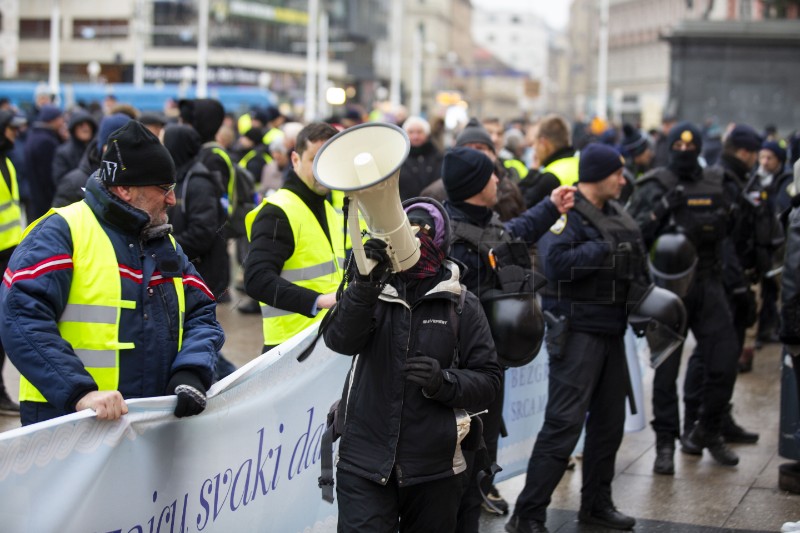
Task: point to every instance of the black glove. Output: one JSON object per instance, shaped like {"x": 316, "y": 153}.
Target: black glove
{"x": 375, "y": 249}
{"x": 190, "y": 391}
{"x": 425, "y": 372}
{"x": 673, "y": 199}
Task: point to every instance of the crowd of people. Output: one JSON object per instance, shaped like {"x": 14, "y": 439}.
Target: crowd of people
{"x": 110, "y": 292}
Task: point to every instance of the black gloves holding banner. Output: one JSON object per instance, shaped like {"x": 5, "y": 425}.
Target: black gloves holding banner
{"x": 191, "y": 393}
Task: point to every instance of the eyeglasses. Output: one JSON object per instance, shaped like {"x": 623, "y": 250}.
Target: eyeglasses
{"x": 167, "y": 188}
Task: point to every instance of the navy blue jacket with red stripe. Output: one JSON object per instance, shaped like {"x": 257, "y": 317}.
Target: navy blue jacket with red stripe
{"x": 35, "y": 290}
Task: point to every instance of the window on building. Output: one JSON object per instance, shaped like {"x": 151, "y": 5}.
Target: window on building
{"x": 34, "y": 28}
{"x": 515, "y": 19}
{"x": 100, "y": 28}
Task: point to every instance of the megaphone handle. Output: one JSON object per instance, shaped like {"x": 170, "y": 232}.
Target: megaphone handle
{"x": 364, "y": 263}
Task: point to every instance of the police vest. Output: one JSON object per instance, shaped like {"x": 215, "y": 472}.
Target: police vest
{"x": 10, "y": 225}
{"x": 483, "y": 241}
{"x": 565, "y": 169}
{"x": 314, "y": 265}
{"x": 620, "y": 279}
{"x": 90, "y": 320}
{"x": 704, "y": 218}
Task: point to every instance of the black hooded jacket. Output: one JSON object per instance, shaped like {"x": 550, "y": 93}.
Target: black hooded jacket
{"x": 389, "y": 426}
{"x": 69, "y": 188}
{"x": 198, "y": 216}
{"x": 68, "y": 156}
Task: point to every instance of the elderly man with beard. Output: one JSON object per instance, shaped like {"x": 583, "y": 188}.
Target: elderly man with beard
{"x": 100, "y": 304}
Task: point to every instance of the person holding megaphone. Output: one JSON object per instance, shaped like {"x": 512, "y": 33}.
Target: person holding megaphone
{"x": 423, "y": 362}
{"x": 296, "y": 255}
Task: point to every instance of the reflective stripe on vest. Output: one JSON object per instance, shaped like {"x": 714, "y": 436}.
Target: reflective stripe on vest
{"x": 271, "y": 135}
{"x": 250, "y": 155}
{"x": 90, "y": 320}
{"x": 566, "y": 170}
{"x": 314, "y": 265}
{"x": 337, "y": 201}
{"x": 10, "y": 224}
{"x": 517, "y": 165}
{"x": 231, "y": 178}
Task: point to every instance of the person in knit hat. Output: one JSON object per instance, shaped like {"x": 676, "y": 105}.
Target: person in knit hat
{"x": 69, "y": 188}
{"x": 44, "y": 138}
{"x": 699, "y": 202}
{"x": 588, "y": 372}
{"x": 474, "y": 135}
{"x": 113, "y": 252}
{"x": 638, "y": 153}
{"x": 471, "y": 184}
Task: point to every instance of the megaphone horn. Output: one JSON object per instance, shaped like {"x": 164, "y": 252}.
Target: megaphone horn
{"x": 364, "y": 162}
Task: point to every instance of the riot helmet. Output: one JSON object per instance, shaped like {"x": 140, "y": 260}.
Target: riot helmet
{"x": 660, "y": 317}
{"x": 517, "y": 325}
{"x": 672, "y": 262}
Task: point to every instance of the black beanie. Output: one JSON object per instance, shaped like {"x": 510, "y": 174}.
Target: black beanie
{"x": 633, "y": 142}
{"x": 136, "y": 157}
{"x": 688, "y": 133}
{"x": 597, "y": 162}
{"x": 465, "y": 172}
{"x": 473, "y": 132}
{"x": 745, "y": 137}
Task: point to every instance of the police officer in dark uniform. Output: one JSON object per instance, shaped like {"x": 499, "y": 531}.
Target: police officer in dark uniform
{"x": 684, "y": 197}
{"x": 594, "y": 259}
{"x": 486, "y": 246}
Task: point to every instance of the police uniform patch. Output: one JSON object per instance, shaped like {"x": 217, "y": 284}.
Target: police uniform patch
{"x": 559, "y": 225}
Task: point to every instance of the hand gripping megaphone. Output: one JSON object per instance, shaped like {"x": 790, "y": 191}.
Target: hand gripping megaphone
{"x": 364, "y": 162}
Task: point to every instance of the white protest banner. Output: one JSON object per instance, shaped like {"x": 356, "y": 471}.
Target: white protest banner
{"x": 249, "y": 462}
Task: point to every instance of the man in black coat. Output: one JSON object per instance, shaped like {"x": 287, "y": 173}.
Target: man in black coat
{"x": 594, "y": 259}
{"x": 82, "y": 129}
{"x": 40, "y": 149}
{"x": 471, "y": 184}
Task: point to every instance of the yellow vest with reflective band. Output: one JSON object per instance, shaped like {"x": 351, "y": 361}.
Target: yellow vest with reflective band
{"x": 90, "y": 321}
{"x": 250, "y": 155}
{"x": 337, "y": 201}
{"x": 271, "y": 135}
{"x": 10, "y": 225}
{"x": 566, "y": 170}
{"x": 244, "y": 123}
{"x": 231, "y": 178}
{"x": 517, "y": 165}
{"x": 314, "y": 264}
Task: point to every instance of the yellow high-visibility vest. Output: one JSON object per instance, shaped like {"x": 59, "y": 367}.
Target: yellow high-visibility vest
{"x": 231, "y": 188}
{"x": 10, "y": 224}
{"x": 315, "y": 264}
{"x": 90, "y": 321}
{"x": 566, "y": 170}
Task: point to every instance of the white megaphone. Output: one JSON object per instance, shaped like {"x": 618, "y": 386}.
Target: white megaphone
{"x": 364, "y": 162}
